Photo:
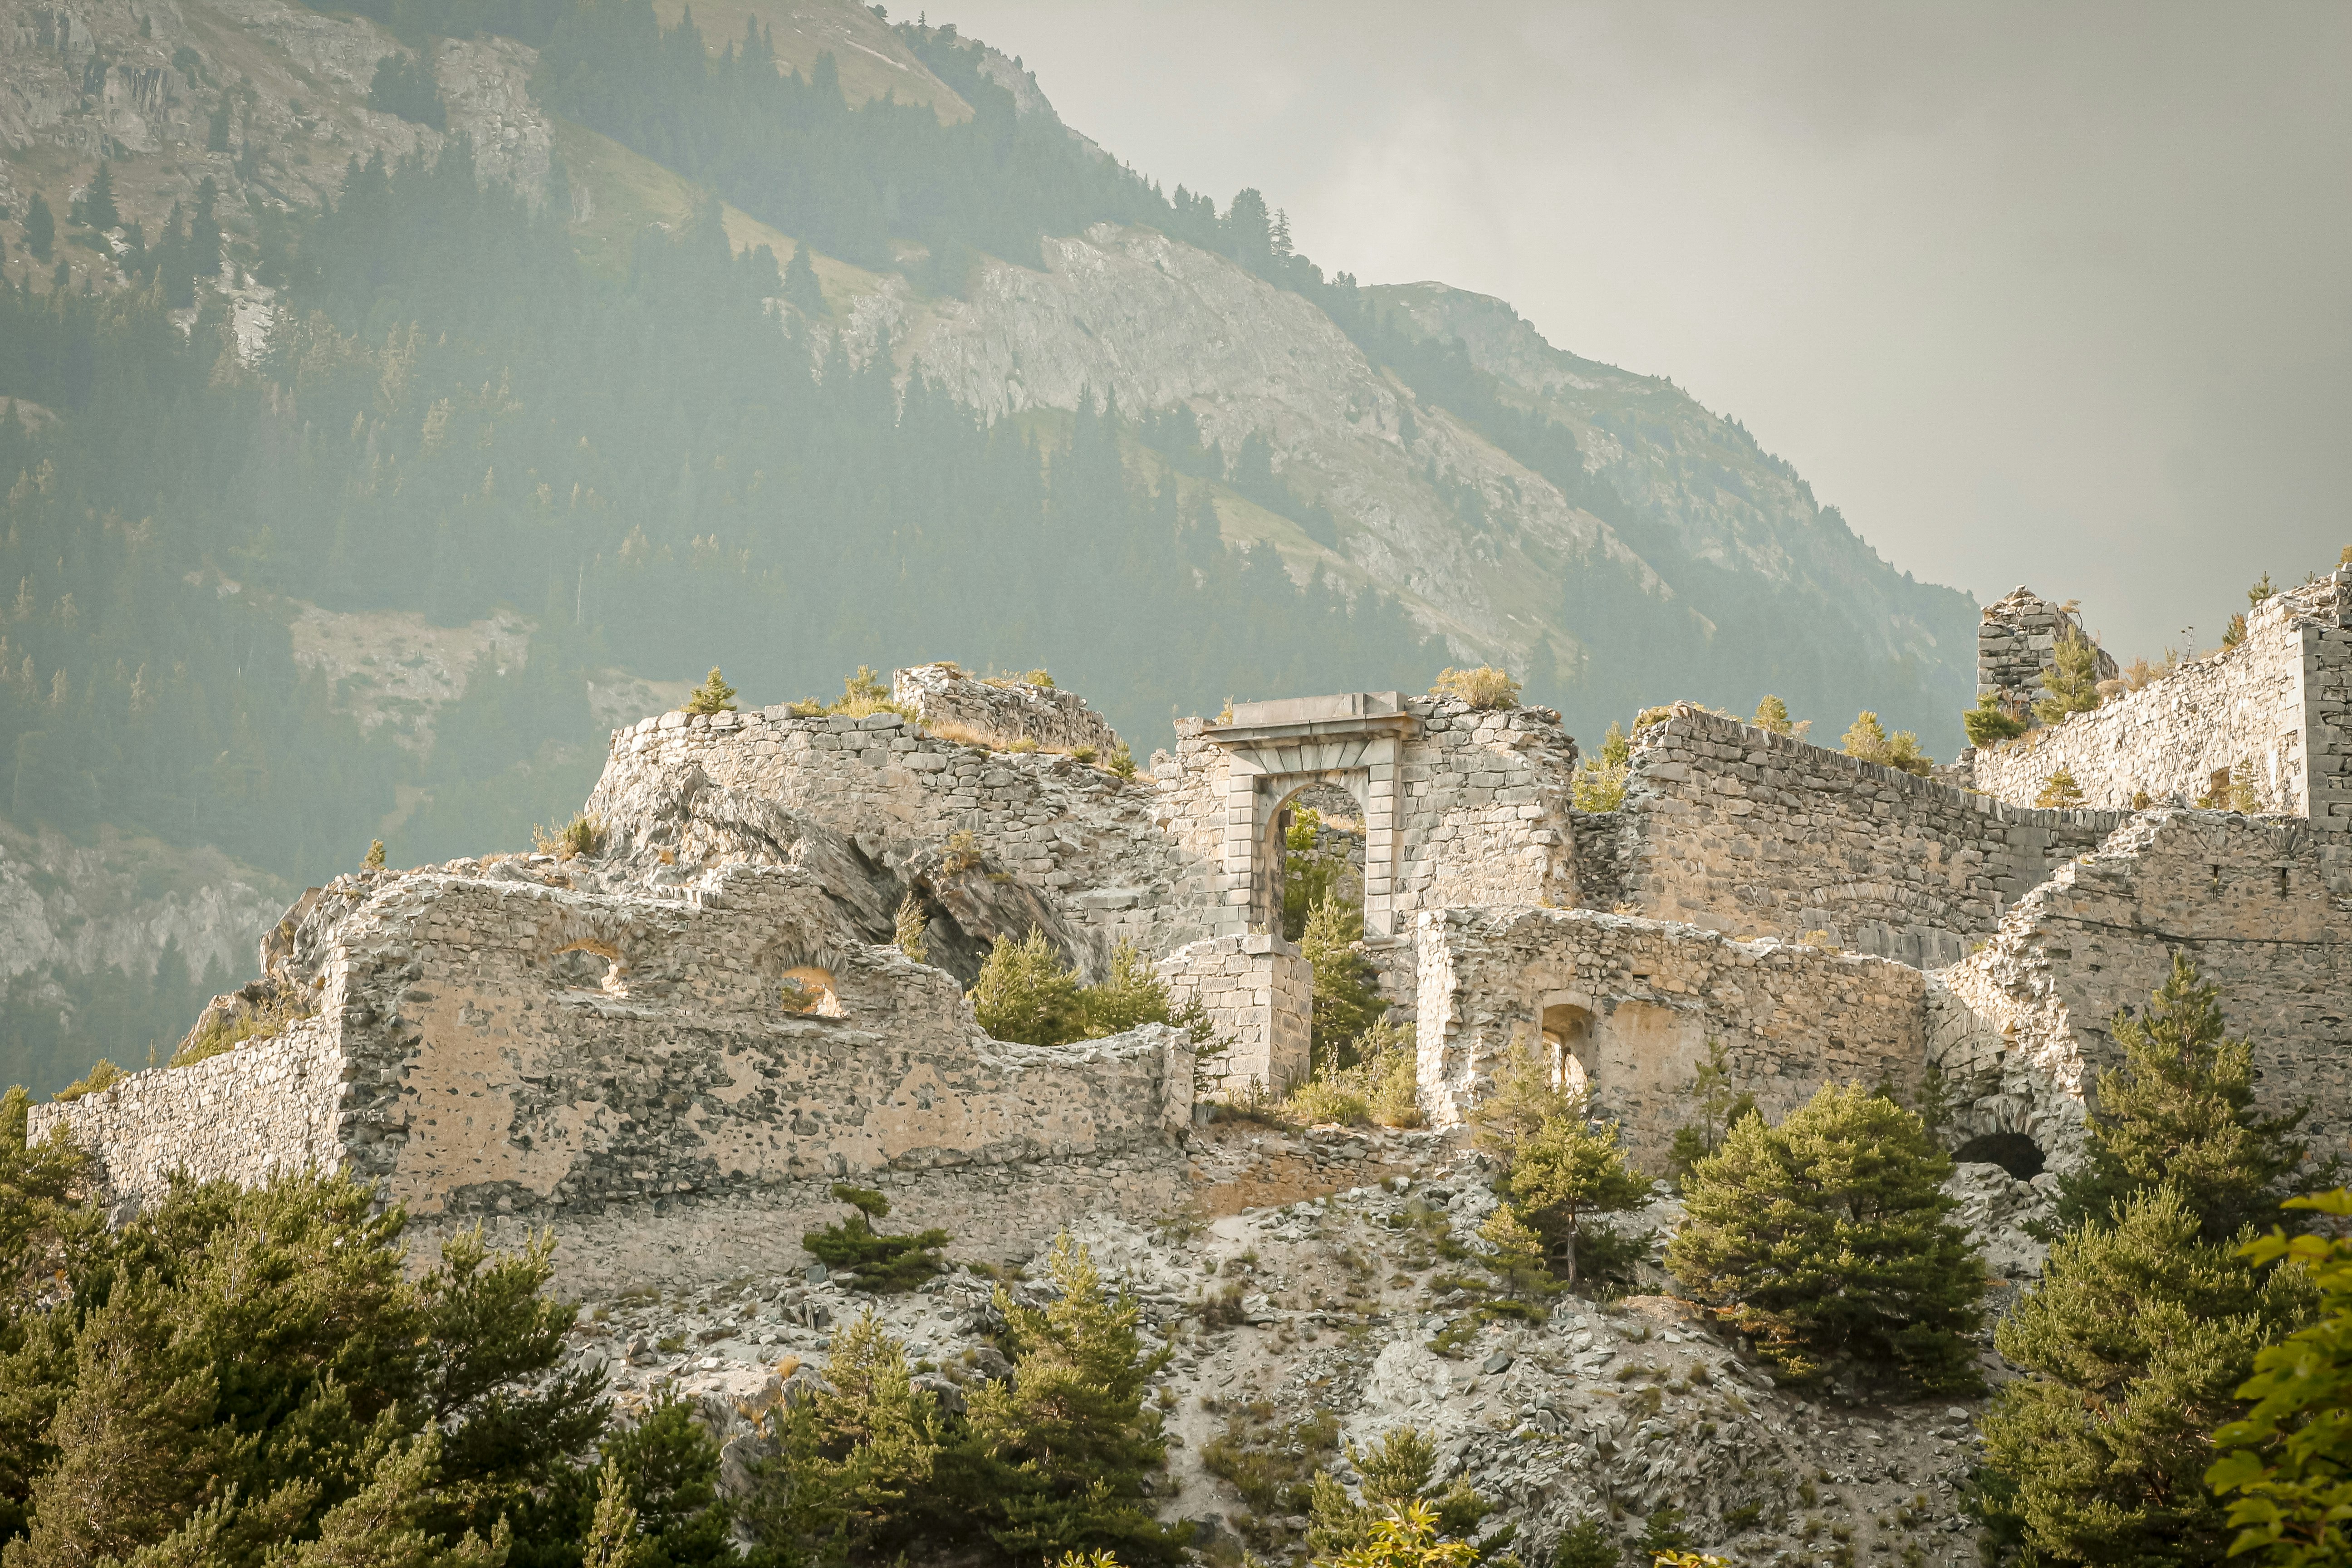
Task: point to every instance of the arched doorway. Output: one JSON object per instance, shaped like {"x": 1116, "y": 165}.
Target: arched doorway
{"x": 1567, "y": 1042}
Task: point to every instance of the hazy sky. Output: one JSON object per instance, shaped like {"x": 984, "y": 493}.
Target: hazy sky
{"x": 2047, "y": 293}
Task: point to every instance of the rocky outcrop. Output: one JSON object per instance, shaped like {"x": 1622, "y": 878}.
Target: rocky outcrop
{"x": 81, "y": 909}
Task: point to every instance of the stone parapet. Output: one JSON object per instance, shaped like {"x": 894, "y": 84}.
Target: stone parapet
{"x": 1628, "y": 1008}
{"x": 2280, "y": 703}
{"x": 1753, "y": 833}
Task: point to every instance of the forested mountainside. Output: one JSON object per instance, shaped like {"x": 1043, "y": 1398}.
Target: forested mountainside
{"x": 400, "y": 394}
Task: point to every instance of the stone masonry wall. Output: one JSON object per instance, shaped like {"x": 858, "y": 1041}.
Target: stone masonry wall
{"x": 1008, "y": 710}
{"x": 2281, "y": 699}
{"x": 270, "y": 1106}
{"x": 486, "y": 1065}
{"x": 1259, "y": 995}
{"x": 2018, "y": 639}
{"x": 2263, "y": 908}
{"x": 1639, "y": 1000}
{"x": 1745, "y": 831}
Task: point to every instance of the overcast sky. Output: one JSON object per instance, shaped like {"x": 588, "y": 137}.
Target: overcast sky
{"x": 2058, "y": 294}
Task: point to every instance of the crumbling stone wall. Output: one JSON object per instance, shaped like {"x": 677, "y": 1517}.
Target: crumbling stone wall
{"x": 2281, "y": 699}
{"x": 2023, "y": 1027}
{"x": 1745, "y": 831}
{"x": 1636, "y": 1003}
{"x": 2018, "y": 639}
{"x": 1004, "y": 709}
{"x": 1079, "y": 836}
{"x": 271, "y": 1106}
{"x": 502, "y": 1046}
{"x": 1259, "y": 994}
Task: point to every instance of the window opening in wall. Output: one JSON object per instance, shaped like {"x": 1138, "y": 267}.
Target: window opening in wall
{"x": 589, "y": 966}
{"x": 808, "y": 990}
{"x": 2020, "y": 1156}
{"x": 1567, "y": 1031}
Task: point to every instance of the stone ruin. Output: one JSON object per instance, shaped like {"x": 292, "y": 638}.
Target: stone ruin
{"x": 675, "y": 1045}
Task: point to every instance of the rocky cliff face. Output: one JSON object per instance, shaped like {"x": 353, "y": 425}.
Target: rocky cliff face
{"x": 81, "y": 909}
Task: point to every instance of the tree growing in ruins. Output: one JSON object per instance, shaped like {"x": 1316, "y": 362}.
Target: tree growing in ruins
{"x": 1867, "y": 739}
{"x": 1600, "y": 782}
{"x": 2060, "y": 790}
{"x": 2072, "y": 681}
{"x": 2137, "y": 1339}
{"x": 2179, "y": 1111}
{"x": 1826, "y": 1238}
{"x": 1563, "y": 1179}
{"x": 713, "y": 696}
{"x": 1991, "y": 720}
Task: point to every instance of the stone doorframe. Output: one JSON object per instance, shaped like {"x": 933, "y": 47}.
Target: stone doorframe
{"x": 1274, "y": 750}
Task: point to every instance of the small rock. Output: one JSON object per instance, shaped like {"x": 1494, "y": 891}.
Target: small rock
{"x": 1499, "y": 1362}
{"x": 813, "y": 1273}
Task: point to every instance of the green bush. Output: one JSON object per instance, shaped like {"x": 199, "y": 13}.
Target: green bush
{"x": 1026, "y": 995}
{"x": 850, "y": 1464}
{"x": 1826, "y": 1236}
{"x": 1347, "y": 999}
{"x": 1484, "y": 689}
{"x": 1990, "y": 723}
{"x": 1600, "y": 782}
{"x": 2290, "y": 1461}
{"x": 882, "y": 1264}
{"x": 1869, "y": 741}
{"x": 2059, "y": 790}
{"x": 102, "y": 1076}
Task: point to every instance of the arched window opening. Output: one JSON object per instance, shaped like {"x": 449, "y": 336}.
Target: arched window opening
{"x": 589, "y": 966}
{"x": 1567, "y": 1032}
{"x": 2020, "y": 1156}
{"x": 808, "y": 990}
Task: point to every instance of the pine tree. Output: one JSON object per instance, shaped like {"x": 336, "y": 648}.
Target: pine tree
{"x": 2137, "y": 1338}
{"x": 613, "y": 1540}
{"x": 1061, "y": 1453}
{"x": 40, "y": 227}
{"x": 1347, "y": 999}
{"x": 713, "y": 696}
{"x": 2071, "y": 680}
{"x": 802, "y": 290}
{"x": 1826, "y": 1236}
{"x": 1565, "y": 1176}
{"x": 883, "y": 1264}
{"x": 98, "y": 209}
{"x": 1600, "y": 782}
{"x": 387, "y": 1524}
{"x": 2179, "y": 1111}
{"x": 854, "y": 1461}
{"x": 374, "y": 861}
{"x": 1773, "y": 714}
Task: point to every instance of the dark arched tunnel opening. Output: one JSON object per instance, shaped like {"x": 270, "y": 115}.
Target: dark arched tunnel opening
{"x": 2013, "y": 1151}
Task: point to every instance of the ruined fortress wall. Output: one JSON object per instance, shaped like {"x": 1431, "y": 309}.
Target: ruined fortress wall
{"x": 2281, "y": 699}
{"x": 1006, "y": 710}
{"x": 513, "y": 1048}
{"x": 2017, "y": 639}
{"x": 1085, "y": 837}
{"x": 2023, "y": 1027}
{"x": 268, "y": 1106}
{"x": 1636, "y": 1003}
{"x": 1742, "y": 830}
{"x": 1485, "y": 812}
{"x": 1259, "y": 995}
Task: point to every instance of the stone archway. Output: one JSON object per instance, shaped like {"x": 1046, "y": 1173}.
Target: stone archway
{"x": 1275, "y": 750}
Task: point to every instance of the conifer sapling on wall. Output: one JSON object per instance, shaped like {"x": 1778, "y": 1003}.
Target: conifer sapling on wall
{"x": 713, "y": 696}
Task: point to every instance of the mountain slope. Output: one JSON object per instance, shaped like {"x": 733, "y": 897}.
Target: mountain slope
{"x": 636, "y": 448}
